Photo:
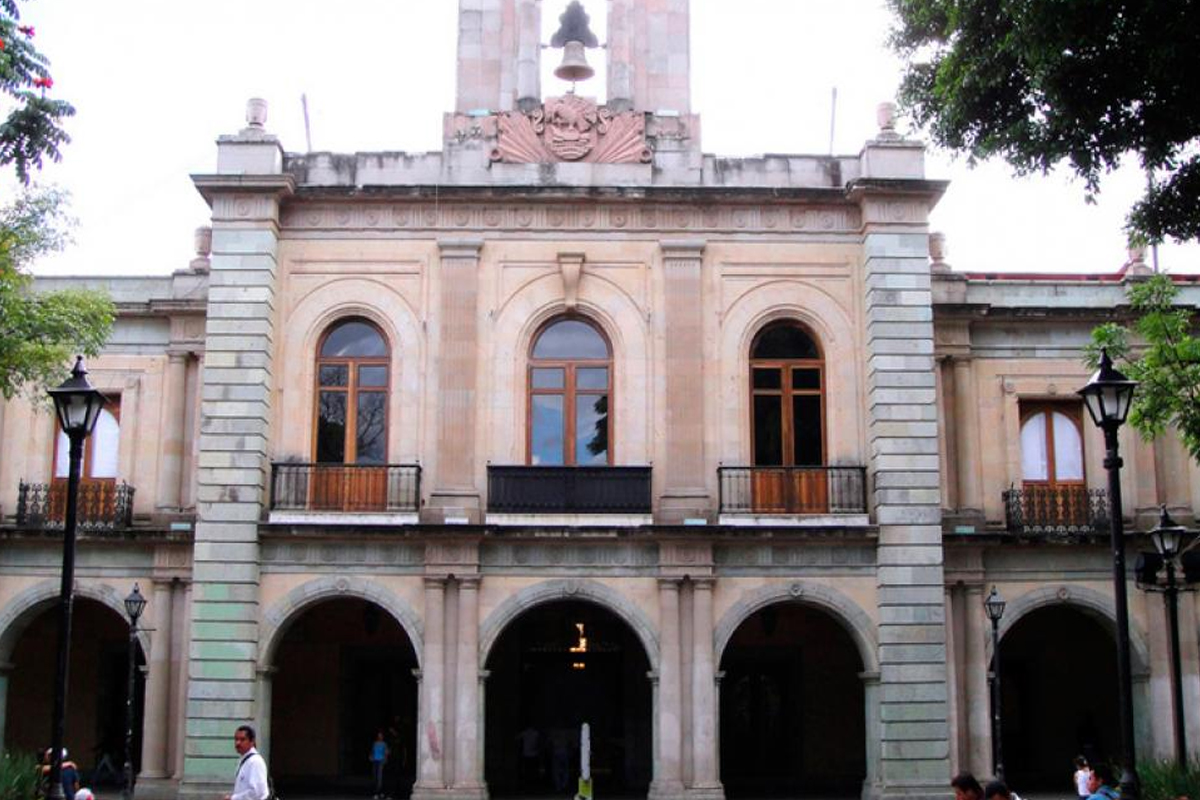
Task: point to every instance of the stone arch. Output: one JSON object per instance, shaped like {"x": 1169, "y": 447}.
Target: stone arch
{"x": 27, "y": 604}
{"x": 279, "y": 617}
{"x": 549, "y": 591}
{"x": 815, "y": 595}
{"x": 1096, "y": 605}
{"x": 838, "y": 337}
{"x": 622, "y": 322}
{"x": 381, "y": 304}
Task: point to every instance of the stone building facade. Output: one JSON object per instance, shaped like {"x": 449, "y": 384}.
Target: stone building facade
{"x": 572, "y": 422}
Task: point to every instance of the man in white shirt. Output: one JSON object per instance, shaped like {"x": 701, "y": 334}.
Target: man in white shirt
{"x": 251, "y": 780}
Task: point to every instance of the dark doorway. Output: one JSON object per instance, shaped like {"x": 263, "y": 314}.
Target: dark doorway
{"x": 1058, "y": 671}
{"x": 792, "y": 707}
{"x": 345, "y": 672}
{"x": 96, "y": 690}
{"x": 554, "y": 668}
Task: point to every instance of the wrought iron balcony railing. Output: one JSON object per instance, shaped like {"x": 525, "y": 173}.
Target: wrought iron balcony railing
{"x": 102, "y": 505}
{"x": 569, "y": 490}
{"x": 793, "y": 490}
{"x": 353, "y": 488}
{"x": 1055, "y": 510}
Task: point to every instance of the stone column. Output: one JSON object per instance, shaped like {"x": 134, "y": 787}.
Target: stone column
{"x": 245, "y": 195}
{"x": 667, "y": 780}
{"x": 953, "y": 681}
{"x": 156, "y": 716}
{"x": 902, "y": 433}
{"x": 172, "y": 433}
{"x": 179, "y": 662}
{"x": 454, "y": 487}
{"x": 430, "y": 735}
{"x": 529, "y": 54}
{"x": 6, "y": 669}
{"x": 979, "y": 722}
{"x": 966, "y": 438}
{"x": 684, "y": 492}
{"x": 266, "y": 678}
{"x": 620, "y": 55}
{"x": 871, "y": 784}
{"x": 468, "y": 776}
{"x": 704, "y": 693}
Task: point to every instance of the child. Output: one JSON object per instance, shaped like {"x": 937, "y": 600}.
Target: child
{"x": 379, "y": 755}
{"x": 1082, "y": 775}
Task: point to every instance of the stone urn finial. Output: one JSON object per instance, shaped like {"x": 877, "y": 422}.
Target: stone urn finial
{"x": 203, "y": 242}
{"x": 937, "y": 252}
{"x": 1135, "y": 263}
{"x": 256, "y": 112}
{"x": 885, "y": 116}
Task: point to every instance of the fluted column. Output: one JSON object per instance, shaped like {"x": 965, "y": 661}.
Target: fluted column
{"x": 467, "y": 773}
{"x": 430, "y": 733}
{"x": 704, "y": 690}
{"x": 979, "y": 723}
{"x": 667, "y": 770}
{"x": 966, "y": 429}
{"x": 157, "y": 714}
{"x": 172, "y": 433}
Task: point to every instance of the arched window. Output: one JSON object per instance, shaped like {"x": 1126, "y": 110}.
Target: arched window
{"x": 352, "y": 395}
{"x": 570, "y": 380}
{"x": 787, "y": 380}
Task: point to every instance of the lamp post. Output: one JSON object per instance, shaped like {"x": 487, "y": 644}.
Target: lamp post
{"x": 994, "y": 606}
{"x": 134, "y": 604}
{"x": 1108, "y": 396}
{"x": 78, "y": 406}
{"x": 1169, "y": 539}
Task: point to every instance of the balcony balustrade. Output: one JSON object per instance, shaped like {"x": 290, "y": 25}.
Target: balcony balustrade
{"x": 1055, "y": 510}
{"x": 793, "y": 490}
{"x": 102, "y": 505}
{"x": 351, "y": 488}
{"x": 568, "y": 490}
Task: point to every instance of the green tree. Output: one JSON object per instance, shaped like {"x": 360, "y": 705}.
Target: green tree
{"x": 40, "y": 331}
{"x": 1162, "y": 352}
{"x": 1042, "y": 82}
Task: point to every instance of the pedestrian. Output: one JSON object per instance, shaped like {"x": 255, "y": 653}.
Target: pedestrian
{"x": 1101, "y": 784}
{"x": 250, "y": 782}
{"x": 998, "y": 790}
{"x": 1082, "y": 776}
{"x": 379, "y": 757}
{"x": 68, "y": 774}
{"x": 966, "y": 787}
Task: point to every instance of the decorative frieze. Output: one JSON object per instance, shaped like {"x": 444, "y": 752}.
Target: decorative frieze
{"x": 315, "y": 554}
{"x": 559, "y": 217}
{"x": 601, "y": 555}
{"x": 762, "y": 556}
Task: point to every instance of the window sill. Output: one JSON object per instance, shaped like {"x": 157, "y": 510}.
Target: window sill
{"x": 796, "y": 520}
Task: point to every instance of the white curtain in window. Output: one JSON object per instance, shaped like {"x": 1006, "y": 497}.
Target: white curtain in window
{"x": 105, "y": 441}
{"x": 1068, "y": 449}
{"x": 1034, "y": 466}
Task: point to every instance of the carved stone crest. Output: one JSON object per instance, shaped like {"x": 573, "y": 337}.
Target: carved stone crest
{"x": 572, "y": 128}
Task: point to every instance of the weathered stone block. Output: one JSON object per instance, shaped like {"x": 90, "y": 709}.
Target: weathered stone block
{"x": 904, "y": 515}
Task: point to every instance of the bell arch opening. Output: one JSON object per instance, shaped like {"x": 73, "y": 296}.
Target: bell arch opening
{"x": 1057, "y": 702}
{"x": 341, "y": 674}
{"x": 793, "y": 706}
{"x": 556, "y": 666}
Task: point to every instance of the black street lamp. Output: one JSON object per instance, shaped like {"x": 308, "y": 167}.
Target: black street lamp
{"x": 1169, "y": 540}
{"x": 134, "y": 604}
{"x": 1108, "y": 396}
{"x": 994, "y": 606}
{"x": 78, "y": 406}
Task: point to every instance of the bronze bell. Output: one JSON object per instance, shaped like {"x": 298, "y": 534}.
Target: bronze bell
{"x": 574, "y": 66}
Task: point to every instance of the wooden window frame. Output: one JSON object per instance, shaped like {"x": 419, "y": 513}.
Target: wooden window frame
{"x": 351, "y": 390}
{"x": 112, "y": 404}
{"x": 1072, "y": 411}
{"x": 786, "y": 366}
{"x": 568, "y": 392}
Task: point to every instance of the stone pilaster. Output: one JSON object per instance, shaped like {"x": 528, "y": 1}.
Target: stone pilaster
{"x": 966, "y": 437}
{"x": 232, "y": 461}
{"x": 6, "y": 669}
{"x": 468, "y": 768}
{"x": 661, "y": 62}
{"x": 172, "y": 433}
{"x": 620, "y": 55}
{"x": 483, "y": 44}
{"x": 979, "y": 721}
{"x": 431, "y": 778}
{"x": 902, "y": 433}
{"x": 684, "y": 494}
{"x": 156, "y": 715}
{"x": 705, "y": 782}
{"x": 455, "y": 492}
{"x": 529, "y": 54}
{"x": 668, "y": 780}
{"x": 266, "y": 683}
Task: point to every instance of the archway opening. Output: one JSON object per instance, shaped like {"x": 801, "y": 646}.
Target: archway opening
{"x": 554, "y": 668}
{"x": 1057, "y": 702}
{"x": 97, "y": 687}
{"x": 344, "y": 672}
{"x": 792, "y": 706}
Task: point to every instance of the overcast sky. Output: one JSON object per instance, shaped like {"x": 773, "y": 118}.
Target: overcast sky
{"x": 155, "y": 82}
